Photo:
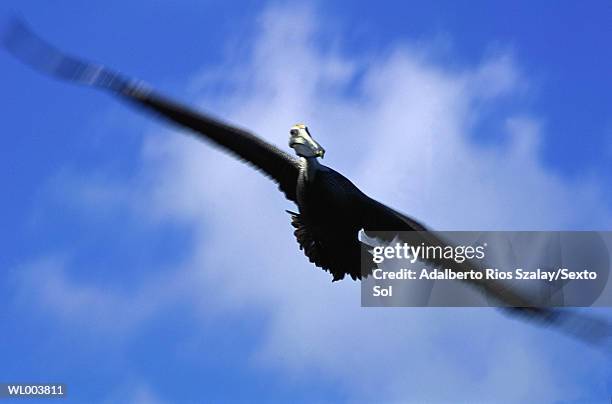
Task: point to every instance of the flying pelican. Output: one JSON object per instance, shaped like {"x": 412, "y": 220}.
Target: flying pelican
{"x": 331, "y": 209}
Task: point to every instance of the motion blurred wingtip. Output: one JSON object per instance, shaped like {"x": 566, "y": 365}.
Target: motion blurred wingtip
{"x": 26, "y": 46}
{"x": 12, "y": 26}
{"x": 17, "y": 38}
{"x": 593, "y": 330}
{"x": 6, "y": 24}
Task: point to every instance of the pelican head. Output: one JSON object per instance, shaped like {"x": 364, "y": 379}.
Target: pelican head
{"x": 303, "y": 144}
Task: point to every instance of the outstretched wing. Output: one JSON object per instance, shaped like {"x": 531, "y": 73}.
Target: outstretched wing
{"x": 377, "y": 217}
{"x": 34, "y": 51}
{"x": 380, "y": 221}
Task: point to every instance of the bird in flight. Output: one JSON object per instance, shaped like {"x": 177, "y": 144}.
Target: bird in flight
{"x": 331, "y": 209}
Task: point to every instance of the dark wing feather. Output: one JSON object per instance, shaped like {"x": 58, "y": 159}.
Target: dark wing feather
{"x": 34, "y": 51}
{"x": 337, "y": 252}
{"x": 272, "y": 161}
{"x": 379, "y": 217}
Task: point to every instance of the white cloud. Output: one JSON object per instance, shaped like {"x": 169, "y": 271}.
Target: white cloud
{"x": 403, "y": 138}
{"x": 100, "y": 309}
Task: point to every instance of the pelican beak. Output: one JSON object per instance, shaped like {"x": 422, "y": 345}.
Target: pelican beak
{"x": 316, "y": 148}
{"x": 303, "y": 143}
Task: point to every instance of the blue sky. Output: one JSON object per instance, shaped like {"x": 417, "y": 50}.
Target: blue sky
{"x": 126, "y": 243}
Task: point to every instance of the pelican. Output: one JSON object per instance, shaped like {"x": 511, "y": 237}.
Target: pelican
{"x": 331, "y": 209}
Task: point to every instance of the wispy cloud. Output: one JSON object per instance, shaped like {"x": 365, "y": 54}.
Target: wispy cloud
{"x": 103, "y": 310}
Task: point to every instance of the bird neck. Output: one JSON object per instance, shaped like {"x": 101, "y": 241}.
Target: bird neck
{"x": 312, "y": 167}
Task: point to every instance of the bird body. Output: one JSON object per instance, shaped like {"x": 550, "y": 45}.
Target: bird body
{"x": 323, "y": 196}
{"x": 326, "y": 229}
